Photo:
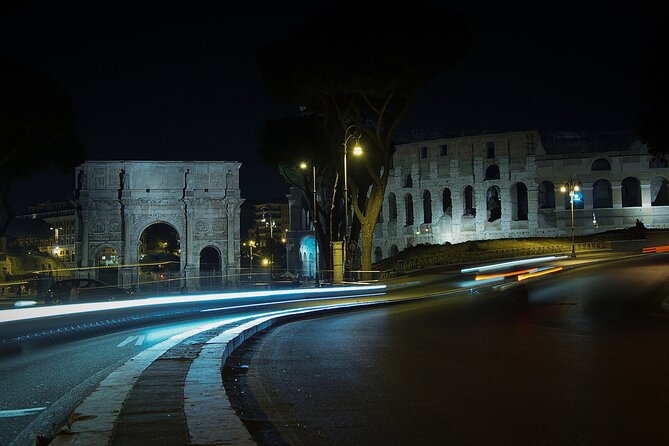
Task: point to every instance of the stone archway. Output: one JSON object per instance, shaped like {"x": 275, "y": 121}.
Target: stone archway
{"x": 107, "y": 262}
{"x": 210, "y": 268}
{"x": 117, "y": 200}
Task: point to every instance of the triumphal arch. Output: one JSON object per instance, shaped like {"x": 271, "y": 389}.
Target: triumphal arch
{"x": 118, "y": 200}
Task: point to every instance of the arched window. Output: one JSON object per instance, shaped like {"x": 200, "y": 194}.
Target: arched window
{"x": 493, "y": 204}
{"x": 446, "y": 201}
{"x": 631, "y": 192}
{"x": 492, "y": 172}
{"x": 393, "y": 251}
{"x": 546, "y": 195}
{"x": 408, "y": 206}
{"x": 659, "y": 192}
{"x": 602, "y": 197}
{"x": 600, "y": 164}
{"x": 518, "y": 201}
{"x": 408, "y": 182}
{"x": 470, "y": 205}
{"x": 378, "y": 254}
{"x": 427, "y": 207}
{"x": 392, "y": 207}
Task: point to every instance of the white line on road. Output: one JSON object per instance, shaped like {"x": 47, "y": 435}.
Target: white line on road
{"x": 20, "y": 412}
{"x": 129, "y": 339}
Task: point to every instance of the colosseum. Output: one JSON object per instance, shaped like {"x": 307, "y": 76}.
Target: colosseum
{"x": 510, "y": 185}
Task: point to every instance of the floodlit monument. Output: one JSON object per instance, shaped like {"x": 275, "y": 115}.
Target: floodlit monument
{"x": 118, "y": 200}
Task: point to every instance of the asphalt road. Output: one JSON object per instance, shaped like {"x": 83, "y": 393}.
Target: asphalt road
{"x": 586, "y": 362}
{"x": 43, "y": 382}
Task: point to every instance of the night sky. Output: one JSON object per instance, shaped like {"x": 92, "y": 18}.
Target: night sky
{"x": 179, "y": 81}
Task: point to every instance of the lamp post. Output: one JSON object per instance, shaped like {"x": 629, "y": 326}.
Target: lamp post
{"x": 352, "y": 131}
{"x": 251, "y": 245}
{"x": 269, "y": 222}
{"x": 572, "y": 187}
{"x": 314, "y": 215}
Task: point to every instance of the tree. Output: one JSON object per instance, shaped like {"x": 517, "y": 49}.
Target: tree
{"x": 363, "y": 63}
{"x": 287, "y": 142}
{"x": 653, "y": 124}
{"x": 36, "y": 127}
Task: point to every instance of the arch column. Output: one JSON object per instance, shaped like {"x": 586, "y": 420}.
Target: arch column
{"x": 587, "y": 197}
{"x": 456, "y": 213}
{"x": 480, "y": 206}
{"x": 617, "y": 196}
{"x": 507, "y": 207}
{"x": 646, "y": 199}
{"x": 532, "y": 206}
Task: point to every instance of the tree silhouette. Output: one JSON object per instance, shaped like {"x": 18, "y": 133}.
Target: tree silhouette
{"x": 286, "y": 143}
{"x": 653, "y": 124}
{"x": 363, "y": 63}
{"x": 36, "y": 128}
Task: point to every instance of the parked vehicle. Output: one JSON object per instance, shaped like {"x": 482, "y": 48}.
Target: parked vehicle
{"x": 84, "y": 290}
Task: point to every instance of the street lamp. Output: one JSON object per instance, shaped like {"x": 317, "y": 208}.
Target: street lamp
{"x": 314, "y": 214}
{"x": 270, "y": 223}
{"x": 572, "y": 187}
{"x": 251, "y": 245}
{"x": 352, "y": 131}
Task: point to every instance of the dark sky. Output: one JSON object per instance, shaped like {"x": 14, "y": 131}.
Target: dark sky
{"x": 178, "y": 80}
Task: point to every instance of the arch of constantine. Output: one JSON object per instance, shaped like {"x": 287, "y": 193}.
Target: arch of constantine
{"x": 118, "y": 200}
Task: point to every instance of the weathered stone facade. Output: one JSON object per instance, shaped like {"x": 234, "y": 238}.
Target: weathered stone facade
{"x": 507, "y": 185}
{"x": 118, "y": 200}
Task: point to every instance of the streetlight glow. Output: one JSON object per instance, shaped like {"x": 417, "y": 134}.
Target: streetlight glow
{"x": 573, "y": 187}
{"x": 352, "y": 131}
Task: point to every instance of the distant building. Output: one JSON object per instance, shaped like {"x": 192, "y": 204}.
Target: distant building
{"x": 62, "y": 219}
{"x": 263, "y": 221}
{"x": 50, "y": 227}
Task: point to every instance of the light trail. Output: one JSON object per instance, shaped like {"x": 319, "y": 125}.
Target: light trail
{"x": 656, "y": 249}
{"x": 19, "y": 314}
{"x": 238, "y": 307}
{"x": 508, "y": 274}
{"x": 540, "y": 272}
{"x": 511, "y": 263}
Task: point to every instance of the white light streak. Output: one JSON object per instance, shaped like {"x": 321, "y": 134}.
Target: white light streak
{"x": 20, "y": 412}
{"x": 20, "y": 314}
{"x": 511, "y": 263}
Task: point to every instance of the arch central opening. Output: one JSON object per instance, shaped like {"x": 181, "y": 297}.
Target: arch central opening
{"x": 159, "y": 259}
{"x": 210, "y": 269}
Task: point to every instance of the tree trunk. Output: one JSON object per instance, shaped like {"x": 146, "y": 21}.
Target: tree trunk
{"x": 367, "y": 233}
{"x": 368, "y": 224}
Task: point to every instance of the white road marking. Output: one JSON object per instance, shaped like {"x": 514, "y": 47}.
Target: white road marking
{"x": 129, "y": 339}
{"x": 20, "y": 412}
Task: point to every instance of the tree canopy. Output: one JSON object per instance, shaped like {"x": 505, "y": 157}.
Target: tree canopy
{"x": 653, "y": 123}
{"x": 363, "y": 63}
{"x": 36, "y": 127}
